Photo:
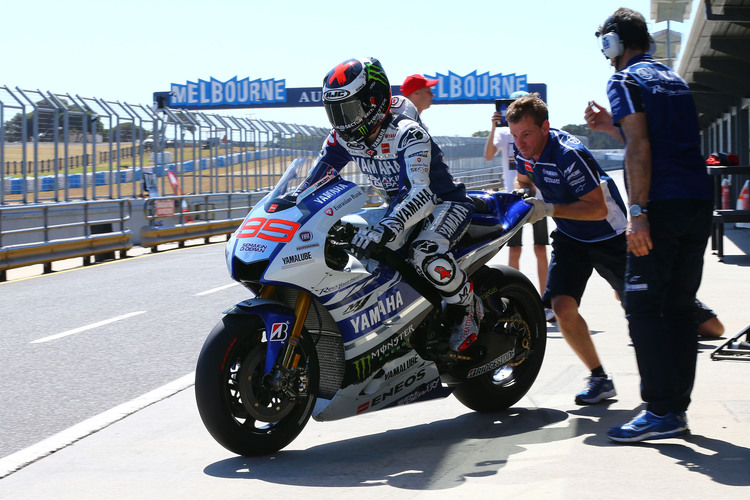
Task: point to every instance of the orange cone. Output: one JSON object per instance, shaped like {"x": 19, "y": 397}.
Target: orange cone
{"x": 726, "y": 185}
{"x": 743, "y": 203}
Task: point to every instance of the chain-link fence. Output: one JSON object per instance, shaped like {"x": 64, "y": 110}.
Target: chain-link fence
{"x": 63, "y": 147}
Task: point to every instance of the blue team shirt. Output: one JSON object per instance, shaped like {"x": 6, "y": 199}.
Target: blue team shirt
{"x": 565, "y": 172}
{"x": 677, "y": 168}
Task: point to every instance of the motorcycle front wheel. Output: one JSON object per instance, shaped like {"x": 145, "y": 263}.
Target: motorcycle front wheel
{"x": 246, "y": 411}
{"x": 513, "y": 316}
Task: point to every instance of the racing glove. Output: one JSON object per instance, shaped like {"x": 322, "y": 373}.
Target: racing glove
{"x": 370, "y": 238}
{"x": 539, "y": 210}
{"x": 522, "y": 192}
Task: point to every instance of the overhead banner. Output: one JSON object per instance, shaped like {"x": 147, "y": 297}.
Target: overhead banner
{"x": 271, "y": 93}
{"x": 453, "y": 88}
{"x": 232, "y": 93}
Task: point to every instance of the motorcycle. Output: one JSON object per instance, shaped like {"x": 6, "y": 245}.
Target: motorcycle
{"x": 329, "y": 336}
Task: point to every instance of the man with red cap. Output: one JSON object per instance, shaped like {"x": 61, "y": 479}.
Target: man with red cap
{"x": 418, "y": 90}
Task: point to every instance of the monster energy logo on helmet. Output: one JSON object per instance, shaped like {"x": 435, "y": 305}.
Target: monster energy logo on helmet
{"x": 375, "y": 72}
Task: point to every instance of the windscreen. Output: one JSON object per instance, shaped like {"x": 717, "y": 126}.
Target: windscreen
{"x": 303, "y": 177}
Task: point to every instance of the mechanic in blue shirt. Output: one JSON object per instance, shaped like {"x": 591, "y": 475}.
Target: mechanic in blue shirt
{"x": 670, "y": 217}
{"x": 590, "y": 217}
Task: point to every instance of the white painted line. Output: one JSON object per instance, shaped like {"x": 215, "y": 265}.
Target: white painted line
{"x": 217, "y": 289}
{"x": 22, "y": 458}
{"x": 84, "y": 328}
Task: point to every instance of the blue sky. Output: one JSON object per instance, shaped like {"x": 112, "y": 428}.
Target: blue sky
{"x": 125, "y": 51}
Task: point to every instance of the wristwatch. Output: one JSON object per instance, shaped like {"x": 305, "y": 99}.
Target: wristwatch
{"x": 636, "y": 210}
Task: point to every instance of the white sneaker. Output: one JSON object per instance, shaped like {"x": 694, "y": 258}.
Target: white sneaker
{"x": 465, "y": 332}
{"x": 550, "y": 315}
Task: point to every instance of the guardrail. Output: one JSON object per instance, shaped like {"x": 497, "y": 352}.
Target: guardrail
{"x": 192, "y": 217}
{"x": 98, "y": 234}
{"x": 200, "y": 220}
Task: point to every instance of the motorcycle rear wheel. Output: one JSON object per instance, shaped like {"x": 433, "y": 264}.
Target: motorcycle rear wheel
{"x": 512, "y": 307}
{"x": 239, "y": 408}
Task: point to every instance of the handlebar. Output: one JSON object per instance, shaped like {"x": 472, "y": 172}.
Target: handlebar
{"x": 339, "y": 241}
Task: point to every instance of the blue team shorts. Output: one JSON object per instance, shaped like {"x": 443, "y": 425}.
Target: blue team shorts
{"x": 573, "y": 261}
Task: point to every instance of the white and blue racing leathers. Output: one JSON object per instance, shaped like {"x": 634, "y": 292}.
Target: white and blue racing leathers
{"x": 406, "y": 166}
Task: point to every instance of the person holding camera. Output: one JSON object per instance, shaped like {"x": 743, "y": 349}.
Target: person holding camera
{"x": 500, "y": 143}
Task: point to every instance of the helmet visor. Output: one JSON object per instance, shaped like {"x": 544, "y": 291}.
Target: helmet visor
{"x": 346, "y": 116}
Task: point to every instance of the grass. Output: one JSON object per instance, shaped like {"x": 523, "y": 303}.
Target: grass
{"x": 46, "y": 152}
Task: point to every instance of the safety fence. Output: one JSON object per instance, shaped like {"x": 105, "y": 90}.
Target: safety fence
{"x": 63, "y": 147}
{"x": 64, "y": 152}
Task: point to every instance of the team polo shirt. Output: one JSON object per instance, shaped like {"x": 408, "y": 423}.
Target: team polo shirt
{"x": 566, "y": 171}
{"x": 677, "y": 167}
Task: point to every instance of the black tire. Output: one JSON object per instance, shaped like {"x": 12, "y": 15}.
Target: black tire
{"x": 239, "y": 410}
{"x": 512, "y": 307}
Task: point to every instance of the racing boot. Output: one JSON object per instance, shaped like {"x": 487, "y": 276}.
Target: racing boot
{"x": 465, "y": 320}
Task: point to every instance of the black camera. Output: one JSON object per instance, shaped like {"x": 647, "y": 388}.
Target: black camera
{"x": 501, "y": 105}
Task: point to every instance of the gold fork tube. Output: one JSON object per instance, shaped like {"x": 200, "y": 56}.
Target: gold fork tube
{"x": 268, "y": 292}
{"x": 300, "y": 313}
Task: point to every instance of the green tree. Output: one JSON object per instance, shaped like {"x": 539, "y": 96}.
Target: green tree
{"x": 597, "y": 140}
{"x": 45, "y": 115}
{"x": 128, "y": 132}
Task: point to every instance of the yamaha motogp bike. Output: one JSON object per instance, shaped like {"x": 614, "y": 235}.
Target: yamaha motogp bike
{"x": 329, "y": 336}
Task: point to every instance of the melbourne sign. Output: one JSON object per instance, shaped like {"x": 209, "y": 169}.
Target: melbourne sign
{"x": 452, "y": 88}
{"x": 245, "y": 93}
{"x": 232, "y": 93}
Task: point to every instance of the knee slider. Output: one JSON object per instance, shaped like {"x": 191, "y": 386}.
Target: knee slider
{"x": 440, "y": 269}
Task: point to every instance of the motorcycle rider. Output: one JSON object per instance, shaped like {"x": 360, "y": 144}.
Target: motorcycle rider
{"x": 407, "y": 168}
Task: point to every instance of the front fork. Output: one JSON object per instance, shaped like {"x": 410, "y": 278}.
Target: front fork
{"x": 290, "y": 358}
